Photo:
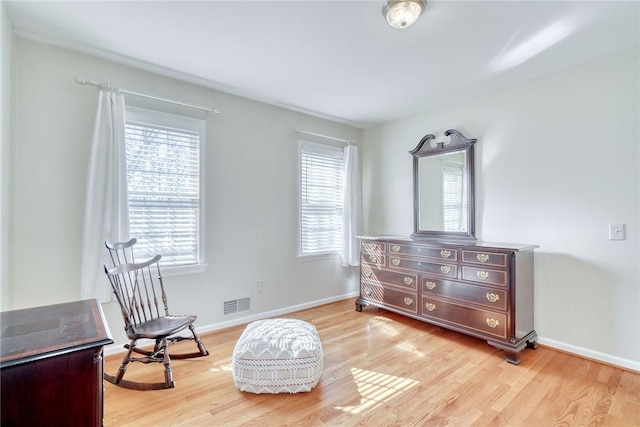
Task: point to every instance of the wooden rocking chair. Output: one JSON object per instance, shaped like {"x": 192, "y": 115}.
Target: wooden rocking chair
{"x": 139, "y": 290}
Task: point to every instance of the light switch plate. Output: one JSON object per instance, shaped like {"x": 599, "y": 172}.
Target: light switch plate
{"x": 616, "y": 231}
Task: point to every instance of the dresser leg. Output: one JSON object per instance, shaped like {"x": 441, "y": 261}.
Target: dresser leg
{"x": 513, "y": 356}
{"x": 360, "y": 303}
{"x": 513, "y": 352}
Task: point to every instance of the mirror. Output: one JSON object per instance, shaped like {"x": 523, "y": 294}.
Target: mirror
{"x": 443, "y": 187}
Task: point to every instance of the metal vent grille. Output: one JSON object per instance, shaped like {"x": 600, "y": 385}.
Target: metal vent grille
{"x": 236, "y": 305}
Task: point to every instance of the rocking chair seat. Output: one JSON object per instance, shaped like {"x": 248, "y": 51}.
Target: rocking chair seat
{"x": 161, "y": 326}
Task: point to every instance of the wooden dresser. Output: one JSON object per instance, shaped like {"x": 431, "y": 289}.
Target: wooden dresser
{"x": 480, "y": 289}
{"x": 51, "y": 365}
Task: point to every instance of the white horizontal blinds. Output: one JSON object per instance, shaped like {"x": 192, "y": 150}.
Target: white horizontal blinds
{"x": 321, "y": 198}
{"x": 453, "y": 199}
{"x": 163, "y": 174}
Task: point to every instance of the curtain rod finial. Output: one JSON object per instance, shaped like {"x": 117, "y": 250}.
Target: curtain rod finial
{"x": 81, "y": 80}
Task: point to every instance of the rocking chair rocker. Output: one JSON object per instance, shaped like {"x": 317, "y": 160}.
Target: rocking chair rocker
{"x": 139, "y": 289}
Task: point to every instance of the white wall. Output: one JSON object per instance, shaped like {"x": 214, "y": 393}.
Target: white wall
{"x": 251, "y": 191}
{"x": 6, "y": 35}
{"x": 557, "y": 160}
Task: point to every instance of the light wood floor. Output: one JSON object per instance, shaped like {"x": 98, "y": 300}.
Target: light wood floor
{"x": 383, "y": 369}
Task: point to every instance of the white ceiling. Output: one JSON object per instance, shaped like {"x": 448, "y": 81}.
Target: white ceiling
{"x": 338, "y": 59}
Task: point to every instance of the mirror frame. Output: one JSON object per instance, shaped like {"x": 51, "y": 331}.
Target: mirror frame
{"x": 458, "y": 142}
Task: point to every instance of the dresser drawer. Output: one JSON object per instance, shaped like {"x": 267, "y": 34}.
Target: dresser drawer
{"x": 484, "y": 321}
{"x": 380, "y": 276}
{"x": 373, "y": 259}
{"x": 374, "y": 248}
{"x": 423, "y": 251}
{"x": 407, "y": 301}
{"x": 389, "y": 297}
{"x": 446, "y": 270}
{"x": 489, "y": 297}
{"x": 484, "y": 275}
{"x": 371, "y": 292}
{"x": 486, "y": 258}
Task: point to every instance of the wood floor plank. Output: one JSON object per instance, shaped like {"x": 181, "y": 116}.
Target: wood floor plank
{"x": 383, "y": 369}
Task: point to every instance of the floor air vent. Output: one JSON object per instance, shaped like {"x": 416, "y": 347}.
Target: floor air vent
{"x": 236, "y": 306}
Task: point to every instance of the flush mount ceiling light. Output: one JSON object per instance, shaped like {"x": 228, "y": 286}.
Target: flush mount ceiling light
{"x": 403, "y": 13}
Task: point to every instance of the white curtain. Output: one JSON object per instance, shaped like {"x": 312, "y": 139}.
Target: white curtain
{"x": 352, "y": 213}
{"x": 106, "y": 214}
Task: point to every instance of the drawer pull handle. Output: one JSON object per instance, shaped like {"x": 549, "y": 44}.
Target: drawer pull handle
{"x": 492, "y": 323}
{"x": 493, "y": 297}
{"x": 430, "y": 285}
{"x": 430, "y": 306}
{"x": 395, "y": 261}
{"x": 445, "y": 253}
{"x": 482, "y": 275}
{"x": 395, "y": 248}
{"x": 368, "y": 273}
{"x": 408, "y": 280}
{"x": 408, "y": 300}
{"x": 483, "y": 257}
{"x": 445, "y": 269}
{"x": 372, "y": 258}
{"x": 367, "y": 291}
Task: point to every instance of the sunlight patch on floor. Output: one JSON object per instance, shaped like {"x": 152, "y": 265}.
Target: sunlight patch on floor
{"x": 221, "y": 368}
{"x": 383, "y": 325}
{"x": 376, "y": 388}
{"x": 410, "y": 348}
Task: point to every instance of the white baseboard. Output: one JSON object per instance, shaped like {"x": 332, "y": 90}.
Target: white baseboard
{"x": 591, "y": 354}
{"x": 579, "y": 351}
{"x": 118, "y": 348}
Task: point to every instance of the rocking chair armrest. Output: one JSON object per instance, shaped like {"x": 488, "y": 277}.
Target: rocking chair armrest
{"x": 126, "y": 268}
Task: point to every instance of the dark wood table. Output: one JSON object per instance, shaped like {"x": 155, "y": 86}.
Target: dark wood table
{"x": 51, "y": 365}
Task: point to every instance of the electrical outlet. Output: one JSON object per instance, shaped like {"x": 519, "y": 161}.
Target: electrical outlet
{"x": 259, "y": 286}
{"x": 616, "y": 231}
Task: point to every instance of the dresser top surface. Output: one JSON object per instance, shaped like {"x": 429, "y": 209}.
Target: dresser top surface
{"x": 451, "y": 243}
{"x": 34, "y": 333}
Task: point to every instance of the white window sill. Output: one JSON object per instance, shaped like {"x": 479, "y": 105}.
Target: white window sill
{"x": 319, "y": 256}
{"x": 182, "y": 270}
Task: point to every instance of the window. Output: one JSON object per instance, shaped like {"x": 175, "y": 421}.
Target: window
{"x": 164, "y": 182}
{"x": 321, "y": 199}
{"x": 454, "y": 199}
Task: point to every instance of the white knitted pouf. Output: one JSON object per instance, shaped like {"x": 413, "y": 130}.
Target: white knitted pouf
{"x": 277, "y": 356}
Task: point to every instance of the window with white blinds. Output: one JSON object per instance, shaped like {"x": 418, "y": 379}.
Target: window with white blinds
{"x": 321, "y": 198}
{"x": 164, "y": 177}
{"x": 454, "y": 199}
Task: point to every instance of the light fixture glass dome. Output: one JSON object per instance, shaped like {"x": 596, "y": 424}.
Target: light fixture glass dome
{"x": 403, "y": 13}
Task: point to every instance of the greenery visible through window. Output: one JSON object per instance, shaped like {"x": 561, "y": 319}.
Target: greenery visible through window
{"x": 164, "y": 185}
{"x": 321, "y": 198}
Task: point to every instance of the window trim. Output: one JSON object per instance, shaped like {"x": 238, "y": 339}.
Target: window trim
{"x": 316, "y": 255}
{"x": 170, "y": 120}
